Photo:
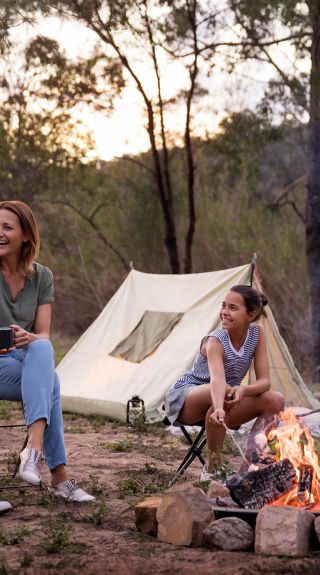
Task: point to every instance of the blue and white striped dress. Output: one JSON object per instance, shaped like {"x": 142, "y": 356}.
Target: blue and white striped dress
{"x": 236, "y": 365}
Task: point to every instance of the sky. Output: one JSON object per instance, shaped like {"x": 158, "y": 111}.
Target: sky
{"x": 123, "y": 132}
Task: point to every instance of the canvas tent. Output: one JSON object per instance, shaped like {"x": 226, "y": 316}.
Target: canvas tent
{"x": 148, "y": 335}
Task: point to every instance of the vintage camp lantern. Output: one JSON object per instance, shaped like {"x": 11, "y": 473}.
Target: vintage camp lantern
{"x": 135, "y": 411}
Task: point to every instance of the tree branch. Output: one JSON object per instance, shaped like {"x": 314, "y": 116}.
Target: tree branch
{"x": 106, "y": 242}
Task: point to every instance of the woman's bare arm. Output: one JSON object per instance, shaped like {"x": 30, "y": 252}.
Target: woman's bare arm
{"x": 41, "y": 327}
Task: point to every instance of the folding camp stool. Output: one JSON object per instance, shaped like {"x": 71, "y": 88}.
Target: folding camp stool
{"x": 195, "y": 450}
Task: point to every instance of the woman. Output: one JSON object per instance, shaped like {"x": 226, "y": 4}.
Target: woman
{"x": 211, "y": 389}
{"x": 27, "y": 370}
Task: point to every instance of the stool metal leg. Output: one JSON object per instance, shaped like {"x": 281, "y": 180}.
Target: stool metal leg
{"x": 194, "y": 451}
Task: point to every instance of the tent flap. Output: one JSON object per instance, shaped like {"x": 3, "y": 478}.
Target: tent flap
{"x": 151, "y": 330}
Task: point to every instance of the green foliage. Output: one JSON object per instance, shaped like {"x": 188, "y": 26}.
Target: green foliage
{"x": 94, "y": 486}
{"x": 222, "y": 471}
{"x": 130, "y": 486}
{"x": 97, "y": 421}
{"x": 148, "y": 480}
{"x": 96, "y": 217}
{"x": 121, "y": 446}
{"x": 98, "y": 516}
{"x": 13, "y": 458}
{"x": 56, "y": 537}
{"x": 7, "y": 408}
{"x": 26, "y": 560}
{"x": 229, "y": 447}
{"x": 14, "y": 536}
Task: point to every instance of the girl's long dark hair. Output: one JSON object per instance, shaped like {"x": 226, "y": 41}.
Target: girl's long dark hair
{"x": 254, "y": 300}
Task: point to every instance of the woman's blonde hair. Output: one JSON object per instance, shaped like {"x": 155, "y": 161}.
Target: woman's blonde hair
{"x": 31, "y": 247}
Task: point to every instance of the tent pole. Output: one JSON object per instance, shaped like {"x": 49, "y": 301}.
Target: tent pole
{"x": 253, "y": 267}
{"x": 252, "y": 270}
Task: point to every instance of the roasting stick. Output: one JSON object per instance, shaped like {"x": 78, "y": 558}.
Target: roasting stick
{"x": 308, "y": 413}
{"x": 236, "y": 443}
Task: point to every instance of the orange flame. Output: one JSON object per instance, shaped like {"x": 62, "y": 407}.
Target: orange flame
{"x": 294, "y": 442}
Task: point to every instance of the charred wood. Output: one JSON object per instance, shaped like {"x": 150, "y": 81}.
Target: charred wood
{"x": 255, "y": 489}
{"x": 223, "y": 502}
{"x": 305, "y": 483}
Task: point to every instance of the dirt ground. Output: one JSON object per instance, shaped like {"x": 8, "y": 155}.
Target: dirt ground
{"x": 45, "y": 535}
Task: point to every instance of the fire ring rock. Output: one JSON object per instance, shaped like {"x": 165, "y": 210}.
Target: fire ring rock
{"x": 183, "y": 514}
{"x": 229, "y": 534}
{"x": 283, "y": 531}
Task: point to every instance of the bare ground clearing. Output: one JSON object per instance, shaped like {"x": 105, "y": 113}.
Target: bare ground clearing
{"x": 43, "y": 535}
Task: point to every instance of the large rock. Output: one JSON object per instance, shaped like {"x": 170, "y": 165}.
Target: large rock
{"x": 229, "y": 534}
{"x": 146, "y": 515}
{"x": 283, "y": 531}
{"x": 317, "y": 527}
{"x": 217, "y": 489}
{"x": 183, "y": 514}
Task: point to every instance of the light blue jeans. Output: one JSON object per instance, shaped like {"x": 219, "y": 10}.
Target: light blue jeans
{"x": 28, "y": 375}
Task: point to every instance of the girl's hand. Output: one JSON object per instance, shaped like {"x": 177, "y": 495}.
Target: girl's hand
{"x": 217, "y": 417}
{"x": 234, "y": 396}
{"x": 21, "y": 336}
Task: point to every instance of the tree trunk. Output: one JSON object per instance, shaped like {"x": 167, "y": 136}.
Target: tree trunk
{"x": 313, "y": 198}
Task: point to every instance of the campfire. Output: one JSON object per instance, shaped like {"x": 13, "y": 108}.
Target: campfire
{"x": 290, "y": 476}
{"x": 274, "y": 506}
{"x": 294, "y": 442}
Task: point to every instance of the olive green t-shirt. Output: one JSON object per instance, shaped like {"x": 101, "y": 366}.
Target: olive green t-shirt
{"x": 38, "y": 290}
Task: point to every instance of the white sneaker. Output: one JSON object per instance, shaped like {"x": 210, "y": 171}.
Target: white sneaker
{"x": 29, "y": 469}
{"x": 70, "y": 490}
{"x": 205, "y": 475}
{"x": 5, "y": 506}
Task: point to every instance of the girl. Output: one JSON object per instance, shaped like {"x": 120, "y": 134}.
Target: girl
{"x": 27, "y": 369}
{"x": 211, "y": 389}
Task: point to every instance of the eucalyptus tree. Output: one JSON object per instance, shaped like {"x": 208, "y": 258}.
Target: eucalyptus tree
{"x": 42, "y": 144}
{"x": 262, "y": 25}
{"x": 165, "y": 32}
{"x": 173, "y": 39}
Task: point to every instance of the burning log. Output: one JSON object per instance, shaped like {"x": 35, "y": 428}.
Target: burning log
{"x": 305, "y": 483}
{"x": 255, "y": 489}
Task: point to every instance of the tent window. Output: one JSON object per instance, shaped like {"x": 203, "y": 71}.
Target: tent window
{"x": 152, "y": 329}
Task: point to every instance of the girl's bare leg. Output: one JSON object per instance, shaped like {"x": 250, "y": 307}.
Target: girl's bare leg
{"x": 268, "y": 403}
{"x": 198, "y": 407}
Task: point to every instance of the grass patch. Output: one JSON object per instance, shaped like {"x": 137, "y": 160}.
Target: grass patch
{"x": 229, "y": 447}
{"x": 71, "y": 416}
{"x": 13, "y": 458}
{"x": 97, "y": 421}
{"x": 94, "y": 486}
{"x": 14, "y": 536}
{"x": 122, "y": 446}
{"x": 148, "y": 480}
{"x": 7, "y": 408}
{"x": 4, "y": 570}
{"x": 98, "y": 516}
{"x": 222, "y": 471}
{"x": 75, "y": 429}
{"x": 26, "y": 560}
{"x": 56, "y": 537}
{"x": 138, "y": 423}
